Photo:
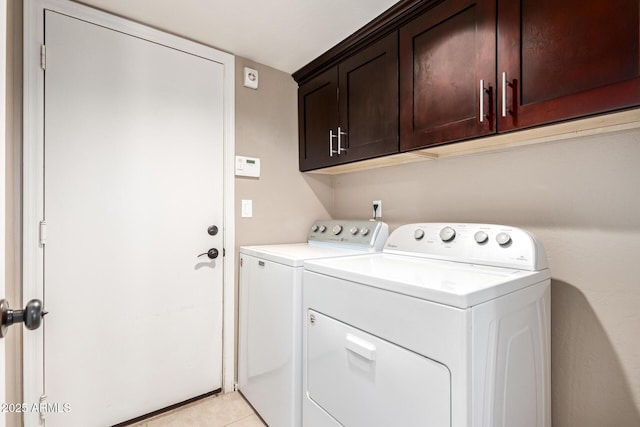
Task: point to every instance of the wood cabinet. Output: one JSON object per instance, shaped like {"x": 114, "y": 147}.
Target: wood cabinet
{"x": 445, "y": 55}
{"x": 462, "y": 69}
{"x": 317, "y": 115}
{"x": 556, "y": 60}
{"x": 350, "y": 112}
{"x": 565, "y": 59}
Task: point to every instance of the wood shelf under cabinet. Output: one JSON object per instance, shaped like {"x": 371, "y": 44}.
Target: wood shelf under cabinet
{"x": 597, "y": 125}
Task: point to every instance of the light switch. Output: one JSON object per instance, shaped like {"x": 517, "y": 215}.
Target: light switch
{"x": 247, "y": 208}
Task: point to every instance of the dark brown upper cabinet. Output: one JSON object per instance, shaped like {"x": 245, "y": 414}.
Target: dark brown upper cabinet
{"x": 560, "y": 60}
{"x": 350, "y": 112}
{"x": 448, "y": 74}
{"x": 317, "y": 117}
{"x": 462, "y": 69}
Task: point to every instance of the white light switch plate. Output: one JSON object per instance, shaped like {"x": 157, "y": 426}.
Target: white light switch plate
{"x": 247, "y": 208}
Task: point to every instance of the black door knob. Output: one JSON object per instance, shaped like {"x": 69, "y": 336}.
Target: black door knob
{"x": 211, "y": 253}
{"x": 32, "y": 315}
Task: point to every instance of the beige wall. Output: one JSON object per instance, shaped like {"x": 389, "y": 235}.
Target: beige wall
{"x": 285, "y": 201}
{"x": 582, "y": 199}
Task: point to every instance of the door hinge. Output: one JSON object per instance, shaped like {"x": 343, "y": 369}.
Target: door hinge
{"x": 43, "y": 404}
{"x": 43, "y": 233}
{"x": 43, "y": 57}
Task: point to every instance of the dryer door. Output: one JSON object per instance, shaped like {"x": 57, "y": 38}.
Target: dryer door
{"x": 361, "y": 380}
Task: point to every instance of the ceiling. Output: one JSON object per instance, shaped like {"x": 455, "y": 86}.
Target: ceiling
{"x": 283, "y": 34}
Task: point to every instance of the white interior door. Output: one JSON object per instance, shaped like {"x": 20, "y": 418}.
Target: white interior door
{"x": 133, "y": 161}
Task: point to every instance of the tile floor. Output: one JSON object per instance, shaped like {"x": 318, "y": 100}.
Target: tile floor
{"x": 224, "y": 410}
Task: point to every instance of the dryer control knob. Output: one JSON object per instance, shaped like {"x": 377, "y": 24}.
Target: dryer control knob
{"x": 503, "y": 239}
{"x": 481, "y": 237}
{"x": 337, "y": 229}
{"x": 314, "y": 228}
{"x": 354, "y": 230}
{"x": 323, "y": 228}
{"x": 418, "y": 234}
{"x": 364, "y": 231}
{"x": 447, "y": 234}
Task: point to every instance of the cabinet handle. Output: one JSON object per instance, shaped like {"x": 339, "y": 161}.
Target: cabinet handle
{"x": 331, "y": 150}
{"x": 504, "y": 94}
{"x": 482, "y": 90}
{"x": 505, "y": 83}
{"x": 340, "y": 133}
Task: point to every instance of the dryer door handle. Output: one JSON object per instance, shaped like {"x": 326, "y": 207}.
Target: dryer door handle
{"x": 361, "y": 347}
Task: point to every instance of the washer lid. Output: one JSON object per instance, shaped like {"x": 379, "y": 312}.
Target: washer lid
{"x": 456, "y": 284}
{"x": 295, "y": 254}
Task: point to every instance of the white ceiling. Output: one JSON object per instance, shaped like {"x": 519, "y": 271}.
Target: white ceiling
{"x": 284, "y": 34}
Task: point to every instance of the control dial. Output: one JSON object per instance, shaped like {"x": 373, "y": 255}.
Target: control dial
{"x": 323, "y": 228}
{"x": 337, "y": 229}
{"x": 418, "y": 234}
{"x": 354, "y": 230}
{"x": 503, "y": 239}
{"x": 314, "y": 228}
{"x": 481, "y": 237}
{"x": 447, "y": 234}
{"x": 364, "y": 231}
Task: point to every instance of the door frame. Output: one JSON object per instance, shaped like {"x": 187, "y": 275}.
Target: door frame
{"x": 3, "y": 118}
{"x": 33, "y": 175}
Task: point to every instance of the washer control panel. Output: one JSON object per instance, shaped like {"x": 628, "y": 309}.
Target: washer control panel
{"x": 367, "y": 235}
{"x": 485, "y": 244}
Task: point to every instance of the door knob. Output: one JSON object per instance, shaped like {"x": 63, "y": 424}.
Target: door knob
{"x": 32, "y": 316}
{"x": 211, "y": 253}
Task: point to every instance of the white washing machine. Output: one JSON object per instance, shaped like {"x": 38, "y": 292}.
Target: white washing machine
{"x": 448, "y": 327}
{"x": 270, "y": 313}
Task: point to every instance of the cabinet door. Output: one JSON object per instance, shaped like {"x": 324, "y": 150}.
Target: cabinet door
{"x": 444, "y": 54}
{"x": 566, "y": 59}
{"x": 368, "y": 86}
{"x": 317, "y": 115}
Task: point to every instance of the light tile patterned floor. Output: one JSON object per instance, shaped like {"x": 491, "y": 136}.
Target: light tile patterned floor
{"x": 225, "y": 410}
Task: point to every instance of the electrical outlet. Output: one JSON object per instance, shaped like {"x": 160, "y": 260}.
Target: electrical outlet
{"x": 377, "y": 212}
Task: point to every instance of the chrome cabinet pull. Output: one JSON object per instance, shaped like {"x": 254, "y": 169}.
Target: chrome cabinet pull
{"x": 504, "y": 94}
{"x": 340, "y": 133}
{"x": 505, "y": 83}
{"x": 338, "y": 136}
{"x": 482, "y": 90}
{"x": 331, "y": 150}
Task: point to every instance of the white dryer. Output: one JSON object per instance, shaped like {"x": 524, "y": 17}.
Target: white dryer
{"x": 448, "y": 327}
{"x": 270, "y": 313}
